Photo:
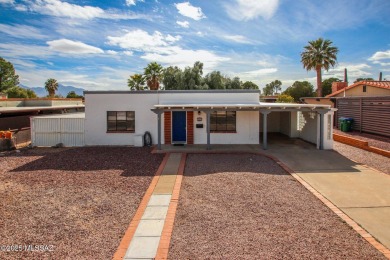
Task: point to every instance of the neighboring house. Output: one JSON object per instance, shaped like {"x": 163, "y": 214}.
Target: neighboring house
{"x": 360, "y": 89}
{"x": 15, "y": 113}
{"x": 366, "y": 102}
{"x": 318, "y": 101}
{"x": 200, "y": 117}
{"x": 3, "y": 96}
{"x": 269, "y": 99}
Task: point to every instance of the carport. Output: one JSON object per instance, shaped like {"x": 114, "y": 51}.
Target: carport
{"x": 304, "y": 121}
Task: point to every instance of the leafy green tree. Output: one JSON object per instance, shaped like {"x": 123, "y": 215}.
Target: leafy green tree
{"x": 214, "y": 80}
{"x": 136, "y": 82}
{"x": 8, "y": 78}
{"x": 18, "y": 92}
{"x": 249, "y": 85}
{"x": 153, "y": 73}
{"x": 73, "y": 94}
{"x": 363, "y": 79}
{"x": 327, "y": 86}
{"x": 51, "y": 86}
{"x": 285, "y": 99}
{"x": 236, "y": 83}
{"x": 193, "y": 76}
{"x": 173, "y": 78}
{"x": 272, "y": 88}
{"x": 318, "y": 55}
{"x": 300, "y": 89}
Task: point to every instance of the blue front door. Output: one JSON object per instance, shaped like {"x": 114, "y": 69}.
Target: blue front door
{"x": 179, "y": 131}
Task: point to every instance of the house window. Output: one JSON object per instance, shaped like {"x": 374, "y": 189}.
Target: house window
{"x": 223, "y": 122}
{"x": 364, "y": 88}
{"x": 121, "y": 121}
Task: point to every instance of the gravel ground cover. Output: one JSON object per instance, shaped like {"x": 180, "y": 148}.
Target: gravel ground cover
{"x": 246, "y": 207}
{"x": 381, "y": 142}
{"x": 373, "y": 160}
{"x": 78, "y": 200}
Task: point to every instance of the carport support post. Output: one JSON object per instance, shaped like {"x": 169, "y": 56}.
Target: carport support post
{"x": 265, "y": 114}
{"x": 159, "y": 130}
{"x": 321, "y": 113}
{"x": 208, "y": 129}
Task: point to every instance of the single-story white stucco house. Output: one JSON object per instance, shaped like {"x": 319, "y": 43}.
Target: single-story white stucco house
{"x": 200, "y": 117}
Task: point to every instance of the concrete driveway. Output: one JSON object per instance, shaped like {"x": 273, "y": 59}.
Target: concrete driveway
{"x": 360, "y": 192}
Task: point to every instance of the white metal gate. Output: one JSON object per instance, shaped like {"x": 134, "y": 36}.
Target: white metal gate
{"x": 49, "y": 131}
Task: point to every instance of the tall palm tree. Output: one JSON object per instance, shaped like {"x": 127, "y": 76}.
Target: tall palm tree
{"x": 51, "y": 86}
{"x": 318, "y": 55}
{"x": 153, "y": 74}
{"x": 136, "y": 82}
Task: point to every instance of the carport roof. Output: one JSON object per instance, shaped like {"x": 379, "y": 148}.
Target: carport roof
{"x": 245, "y": 106}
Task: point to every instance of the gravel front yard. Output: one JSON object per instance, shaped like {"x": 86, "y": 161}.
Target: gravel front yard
{"x": 78, "y": 200}
{"x": 373, "y": 160}
{"x": 247, "y": 207}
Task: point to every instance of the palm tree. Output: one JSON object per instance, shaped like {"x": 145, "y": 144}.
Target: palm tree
{"x": 317, "y": 55}
{"x": 51, "y": 86}
{"x": 153, "y": 74}
{"x": 136, "y": 82}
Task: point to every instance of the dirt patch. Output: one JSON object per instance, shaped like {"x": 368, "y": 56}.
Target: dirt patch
{"x": 78, "y": 200}
{"x": 247, "y": 207}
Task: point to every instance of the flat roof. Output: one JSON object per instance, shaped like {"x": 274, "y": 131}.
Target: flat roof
{"x": 245, "y": 105}
{"x": 172, "y": 91}
{"x": 8, "y": 110}
{"x": 67, "y": 115}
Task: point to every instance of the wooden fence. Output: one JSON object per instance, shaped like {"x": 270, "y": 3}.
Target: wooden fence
{"x": 370, "y": 114}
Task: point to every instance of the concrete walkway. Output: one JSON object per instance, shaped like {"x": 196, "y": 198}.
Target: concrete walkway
{"x": 147, "y": 236}
{"x": 360, "y": 192}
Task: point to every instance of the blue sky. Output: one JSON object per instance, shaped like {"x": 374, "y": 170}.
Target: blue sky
{"x": 98, "y": 44}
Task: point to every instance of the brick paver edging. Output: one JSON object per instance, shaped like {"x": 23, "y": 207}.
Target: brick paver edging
{"x": 360, "y": 144}
{"x": 163, "y": 247}
{"x": 125, "y": 242}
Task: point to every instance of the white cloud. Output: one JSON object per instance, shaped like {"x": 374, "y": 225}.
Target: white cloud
{"x": 237, "y": 38}
{"x": 22, "y": 31}
{"x": 244, "y": 10}
{"x": 176, "y": 56}
{"x": 11, "y": 50}
{"x": 353, "y": 70}
{"x": 261, "y": 72}
{"x": 128, "y": 53}
{"x": 188, "y": 10}
{"x": 140, "y": 40}
{"x": 64, "y": 9}
{"x": 379, "y": 56}
{"x": 111, "y": 52}
{"x": 132, "y": 2}
{"x": 73, "y": 47}
{"x": 184, "y": 24}
{"x": 7, "y": 1}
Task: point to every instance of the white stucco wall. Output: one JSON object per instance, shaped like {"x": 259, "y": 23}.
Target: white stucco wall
{"x": 308, "y": 127}
{"x": 247, "y": 126}
{"x": 328, "y": 130}
{"x": 97, "y": 105}
{"x": 207, "y": 98}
